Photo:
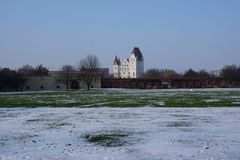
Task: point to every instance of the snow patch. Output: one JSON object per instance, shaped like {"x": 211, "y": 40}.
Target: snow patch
{"x": 119, "y": 133}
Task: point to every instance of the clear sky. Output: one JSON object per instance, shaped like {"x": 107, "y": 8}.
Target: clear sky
{"x": 175, "y": 34}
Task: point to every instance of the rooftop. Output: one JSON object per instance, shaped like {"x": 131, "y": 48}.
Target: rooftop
{"x": 136, "y": 51}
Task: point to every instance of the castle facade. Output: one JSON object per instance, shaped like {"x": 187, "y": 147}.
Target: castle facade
{"x": 132, "y": 67}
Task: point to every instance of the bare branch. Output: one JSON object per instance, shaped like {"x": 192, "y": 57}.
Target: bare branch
{"x": 89, "y": 69}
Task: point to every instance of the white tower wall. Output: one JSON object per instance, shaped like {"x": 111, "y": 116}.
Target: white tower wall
{"x": 116, "y": 71}
{"x": 132, "y": 67}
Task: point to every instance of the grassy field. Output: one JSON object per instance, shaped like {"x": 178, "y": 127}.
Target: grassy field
{"x": 124, "y": 98}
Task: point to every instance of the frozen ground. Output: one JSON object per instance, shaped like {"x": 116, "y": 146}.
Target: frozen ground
{"x": 145, "y": 133}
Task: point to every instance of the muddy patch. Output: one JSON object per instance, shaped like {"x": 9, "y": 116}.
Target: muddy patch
{"x": 114, "y": 138}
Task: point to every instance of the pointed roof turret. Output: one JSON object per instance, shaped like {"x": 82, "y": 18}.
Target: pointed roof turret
{"x": 136, "y": 51}
{"x": 117, "y": 61}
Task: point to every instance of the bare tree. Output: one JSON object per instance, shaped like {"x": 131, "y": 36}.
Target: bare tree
{"x": 153, "y": 73}
{"x": 40, "y": 71}
{"x": 190, "y": 73}
{"x": 231, "y": 72}
{"x": 29, "y": 71}
{"x": 26, "y": 70}
{"x": 89, "y": 70}
{"x": 170, "y": 73}
{"x": 203, "y": 73}
{"x": 66, "y": 75}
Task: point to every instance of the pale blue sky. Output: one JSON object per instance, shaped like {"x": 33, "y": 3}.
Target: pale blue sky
{"x": 176, "y": 34}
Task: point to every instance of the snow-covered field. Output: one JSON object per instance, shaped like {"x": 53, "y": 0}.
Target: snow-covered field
{"x": 144, "y": 133}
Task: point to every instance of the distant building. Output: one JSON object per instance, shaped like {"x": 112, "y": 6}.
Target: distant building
{"x": 51, "y": 82}
{"x": 216, "y": 72}
{"x": 132, "y": 67}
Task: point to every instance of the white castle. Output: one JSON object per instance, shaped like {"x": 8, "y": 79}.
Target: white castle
{"x": 132, "y": 67}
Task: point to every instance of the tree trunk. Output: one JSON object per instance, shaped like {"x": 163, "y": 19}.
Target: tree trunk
{"x": 88, "y": 87}
{"x": 67, "y": 86}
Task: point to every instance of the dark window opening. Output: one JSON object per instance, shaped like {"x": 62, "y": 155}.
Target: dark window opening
{"x": 41, "y": 87}
{"x": 74, "y": 85}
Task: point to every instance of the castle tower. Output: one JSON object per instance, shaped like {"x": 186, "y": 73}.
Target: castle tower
{"x": 132, "y": 67}
{"x": 136, "y": 64}
{"x": 116, "y": 68}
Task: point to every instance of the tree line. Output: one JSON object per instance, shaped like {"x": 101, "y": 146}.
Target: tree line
{"x": 30, "y": 71}
{"x": 14, "y": 80}
{"x": 169, "y": 73}
{"x": 87, "y": 70}
{"x": 228, "y": 72}
{"x": 231, "y": 72}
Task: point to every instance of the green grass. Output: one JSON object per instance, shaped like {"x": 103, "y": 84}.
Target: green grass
{"x": 109, "y": 139}
{"x": 123, "y": 98}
